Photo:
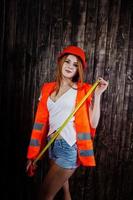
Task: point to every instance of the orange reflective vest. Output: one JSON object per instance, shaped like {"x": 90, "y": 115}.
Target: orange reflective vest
{"x": 84, "y": 131}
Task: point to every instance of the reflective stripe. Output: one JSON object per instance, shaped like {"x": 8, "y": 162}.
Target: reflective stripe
{"x": 86, "y": 153}
{"x": 37, "y": 126}
{"x": 34, "y": 142}
{"x": 84, "y": 136}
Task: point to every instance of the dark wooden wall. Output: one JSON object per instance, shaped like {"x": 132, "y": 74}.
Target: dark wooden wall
{"x": 32, "y": 33}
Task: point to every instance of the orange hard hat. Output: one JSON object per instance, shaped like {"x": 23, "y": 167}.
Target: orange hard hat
{"x": 74, "y": 50}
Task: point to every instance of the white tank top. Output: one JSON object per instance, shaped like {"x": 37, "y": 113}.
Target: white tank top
{"x": 58, "y": 113}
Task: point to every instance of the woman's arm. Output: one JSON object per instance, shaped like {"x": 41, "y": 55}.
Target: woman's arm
{"x": 94, "y": 111}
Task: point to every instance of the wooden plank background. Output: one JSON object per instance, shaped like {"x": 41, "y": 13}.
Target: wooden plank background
{"x": 32, "y": 34}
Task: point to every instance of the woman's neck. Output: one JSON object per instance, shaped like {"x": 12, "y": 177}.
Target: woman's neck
{"x": 66, "y": 82}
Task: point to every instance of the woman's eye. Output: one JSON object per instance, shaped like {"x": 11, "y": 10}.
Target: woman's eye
{"x": 67, "y": 61}
{"x": 75, "y": 65}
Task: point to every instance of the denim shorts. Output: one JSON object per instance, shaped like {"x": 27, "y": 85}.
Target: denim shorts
{"x": 63, "y": 154}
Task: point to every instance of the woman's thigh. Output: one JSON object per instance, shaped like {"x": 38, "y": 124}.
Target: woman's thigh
{"x": 54, "y": 180}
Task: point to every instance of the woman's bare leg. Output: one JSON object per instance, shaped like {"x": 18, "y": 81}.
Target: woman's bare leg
{"x": 54, "y": 180}
{"x": 67, "y": 195}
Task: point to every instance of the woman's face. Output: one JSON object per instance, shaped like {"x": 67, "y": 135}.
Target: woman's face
{"x": 70, "y": 67}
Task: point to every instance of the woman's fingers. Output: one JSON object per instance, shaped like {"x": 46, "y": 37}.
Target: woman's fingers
{"x": 102, "y": 86}
{"x": 29, "y": 162}
{"x": 103, "y": 82}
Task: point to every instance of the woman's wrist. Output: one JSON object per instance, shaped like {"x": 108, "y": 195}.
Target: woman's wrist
{"x": 97, "y": 96}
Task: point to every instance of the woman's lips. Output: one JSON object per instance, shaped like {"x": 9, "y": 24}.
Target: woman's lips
{"x": 68, "y": 71}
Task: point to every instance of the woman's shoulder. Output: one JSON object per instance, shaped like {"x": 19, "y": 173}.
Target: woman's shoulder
{"x": 86, "y": 85}
{"x": 46, "y": 86}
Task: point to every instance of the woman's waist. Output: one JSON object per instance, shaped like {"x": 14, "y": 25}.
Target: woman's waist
{"x": 67, "y": 131}
{"x": 54, "y": 126}
{"x": 52, "y": 134}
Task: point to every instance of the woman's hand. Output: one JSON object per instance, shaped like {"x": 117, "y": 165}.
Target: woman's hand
{"x": 31, "y": 168}
{"x": 29, "y": 163}
{"x": 101, "y": 87}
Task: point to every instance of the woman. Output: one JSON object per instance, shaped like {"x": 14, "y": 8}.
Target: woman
{"x": 74, "y": 146}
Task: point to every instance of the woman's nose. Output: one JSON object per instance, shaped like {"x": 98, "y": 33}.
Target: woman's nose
{"x": 70, "y": 65}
